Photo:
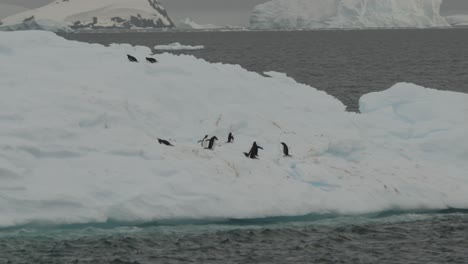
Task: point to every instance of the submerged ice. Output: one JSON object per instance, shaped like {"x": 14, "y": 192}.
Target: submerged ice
{"x": 80, "y": 124}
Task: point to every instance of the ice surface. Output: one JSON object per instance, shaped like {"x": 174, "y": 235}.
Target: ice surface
{"x": 88, "y": 14}
{"x": 315, "y": 14}
{"x": 79, "y": 124}
{"x": 178, "y": 46}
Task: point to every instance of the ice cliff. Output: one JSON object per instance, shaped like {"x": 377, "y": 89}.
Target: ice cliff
{"x": 317, "y": 14}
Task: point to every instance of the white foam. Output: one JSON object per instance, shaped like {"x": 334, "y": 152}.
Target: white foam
{"x": 79, "y": 123}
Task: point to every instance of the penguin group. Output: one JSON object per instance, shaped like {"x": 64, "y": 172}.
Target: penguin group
{"x": 209, "y": 144}
{"x": 148, "y": 59}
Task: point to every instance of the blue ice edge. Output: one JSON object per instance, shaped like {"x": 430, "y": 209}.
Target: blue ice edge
{"x": 309, "y": 218}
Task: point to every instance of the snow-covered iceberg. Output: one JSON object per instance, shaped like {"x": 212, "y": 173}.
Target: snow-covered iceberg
{"x": 178, "y": 46}
{"x": 317, "y": 14}
{"x": 79, "y": 125}
{"x": 458, "y": 20}
{"x": 91, "y": 14}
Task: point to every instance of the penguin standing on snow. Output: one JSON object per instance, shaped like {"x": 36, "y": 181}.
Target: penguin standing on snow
{"x": 131, "y": 58}
{"x": 230, "y": 138}
{"x": 285, "y": 150}
{"x": 212, "y": 142}
{"x": 202, "y": 141}
{"x": 164, "y": 142}
{"x": 253, "y": 153}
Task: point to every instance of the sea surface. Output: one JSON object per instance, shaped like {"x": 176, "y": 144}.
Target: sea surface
{"x": 346, "y": 64}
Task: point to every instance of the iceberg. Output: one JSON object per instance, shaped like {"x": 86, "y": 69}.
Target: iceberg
{"x": 78, "y": 142}
{"x": 458, "y": 20}
{"x": 178, "y": 46}
{"x": 347, "y": 14}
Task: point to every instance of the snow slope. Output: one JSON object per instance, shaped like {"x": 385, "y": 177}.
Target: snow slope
{"x": 315, "y": 14}
{"x": 188, "y": 23}
{"x": 457, "y": 20}
{"x": 79, "y": 127}
{"x": 85, "y": 14}
{"x": 178, "y": 46}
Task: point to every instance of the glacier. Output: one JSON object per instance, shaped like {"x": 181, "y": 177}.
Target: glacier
{"x": 79, "y": 127}
{"x": 91, "y": 14}
{"x": 347, "y": 14}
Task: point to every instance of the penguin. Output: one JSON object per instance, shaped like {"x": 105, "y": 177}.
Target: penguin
{"x": 253, "y": 153}
{"x": 151, "y": 60}
{"x": 212, "y": 142}
{"x": 230, "y": 138}
{"x": 164, "y": 142}
{"x": 131, "y": 58}
{"x": 202, "y": 141}
{"x": 285, "y": 150}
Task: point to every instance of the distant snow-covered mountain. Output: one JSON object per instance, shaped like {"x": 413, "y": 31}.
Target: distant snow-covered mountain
{"x": 92, "y": 14}
{"x": 315, "y": 14}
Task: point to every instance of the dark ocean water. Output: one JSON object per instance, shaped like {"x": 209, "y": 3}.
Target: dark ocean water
{"x": 405, "y": 238}
{"x": 346, "y": 64}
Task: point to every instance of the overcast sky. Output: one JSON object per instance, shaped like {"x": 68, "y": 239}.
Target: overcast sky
{"x": 225, "y": 12}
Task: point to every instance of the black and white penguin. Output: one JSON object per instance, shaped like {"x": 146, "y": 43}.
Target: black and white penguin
{"x": 212, "y": 142}
{"x": 151, "y": 60}
{"x": 202, "y": 141}
{"x": 230, "y": 138}
{"x": 285, "y": 150}
{"x": 164, "y": 142}
{"x": 253, "y": 153}
{"x": 131, "y": 58}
